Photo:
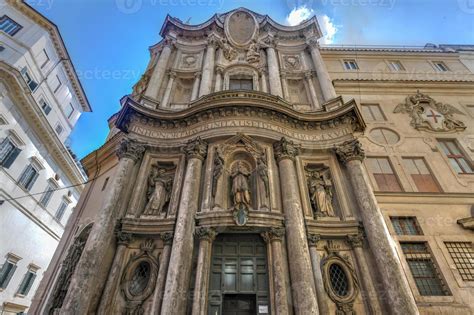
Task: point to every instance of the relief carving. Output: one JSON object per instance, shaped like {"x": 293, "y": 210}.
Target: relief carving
{"x": 189, "y": 61}
{"x": 253, "y": 53}
{"x": 227, "y": 50}
{"x": 321, "y": 194}
{"x": 160, "y": 183}
{"x": 292, "y": 62}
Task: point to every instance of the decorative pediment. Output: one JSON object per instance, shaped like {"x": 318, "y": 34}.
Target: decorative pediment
{"x": 248, "y": 143}
{"x": 427, "y": 114}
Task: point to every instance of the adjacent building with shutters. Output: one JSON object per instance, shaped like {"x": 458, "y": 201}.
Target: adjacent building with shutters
{"x": 41, "y": 100}
{"x": 253, "y": 171}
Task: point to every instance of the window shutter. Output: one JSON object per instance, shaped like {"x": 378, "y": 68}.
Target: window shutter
{"x": 29, "y": 282}
{"x": 32, "y": 85}
{"x": 10, "y": 270}
{"x": 11, "y": 157}
{"x": 24, "y": 175}
{"x": 33, "y": 179}
{"x": 47, "y": 109}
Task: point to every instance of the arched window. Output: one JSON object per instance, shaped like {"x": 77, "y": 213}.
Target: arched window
{"x": 339, "y": 280}
{"x": 140, "y": 278}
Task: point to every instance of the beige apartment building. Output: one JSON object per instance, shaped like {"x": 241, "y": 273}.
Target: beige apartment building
{"x": 253, "y": 171}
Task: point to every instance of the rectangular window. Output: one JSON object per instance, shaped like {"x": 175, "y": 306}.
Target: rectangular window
{"x": 28, "y": 177}
{"x": 396, "y": 65}
{"x": 8, "y": 152}
{"x": 423, "y": 269}
{"x": 69, "y": 110}
{"x": 462, "y": 254}
{"x": 406, "y": 226}
{"x": 456, "y": 158}
{"x": 45, "y": 107}
{"x": 9, "y": 26}
{"x": 372, "y": 112}
{"x": 29, "y": 80}
{"x": 383, "y": 174}
{"x": 421, "y": 175}
{"x": 240, "y": 84}
{"x": 7, "y": 271}
{"x": 350, "y": 64}
{"x": 43, "y": 58}
{"x": 27, "y": 282}
{"x": 62, "y": 208}
{"x": 59, "y": 129}
{"x": 46, "y": 197}
{"x": 58, "y": 84}
{"x": 440, "y": 66}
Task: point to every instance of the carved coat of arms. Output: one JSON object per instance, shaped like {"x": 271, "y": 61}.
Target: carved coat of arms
{"x": 428, "y": 114}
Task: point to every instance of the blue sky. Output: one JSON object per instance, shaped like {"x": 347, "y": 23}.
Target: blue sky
{"x": 108, "y": 40}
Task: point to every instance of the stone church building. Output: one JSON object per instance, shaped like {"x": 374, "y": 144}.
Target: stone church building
{"x": 253, "y": 171}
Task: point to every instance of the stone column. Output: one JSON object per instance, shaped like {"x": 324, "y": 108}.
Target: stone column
{"x": 108, "y": 296}
{"x": 284, "y": 85}
{"x": 323, "y": 75}
{"x": 197, "y": 81}
{"x": 321, "y": 294}
{"x": 159, "y": 72}
{"x": 396, "y": 288}
{"x": 273, "y": 68}
{"x": 167, "y": 239}
{"x": 219, "y": 71}
{"x": 83, "y": 283}
{"x": 179, "y": 271}
{"x": 169, "y": 88}
{"x": 206, "y": 237}
{"x": 356, "y": 241}
{"x": 274, "y": 237}
{"x": 302, "y": 282}
{"x": 208, "y": 66}
{"x": 312, "y": 91}
{"x": 263, "y": 79}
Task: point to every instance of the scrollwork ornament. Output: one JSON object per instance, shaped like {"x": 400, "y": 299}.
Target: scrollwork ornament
{"x": 196, "y": 149}
{"x": 130, "y": 149}
{"x": 285, "y": 149}
{"x": 350, "y": 150}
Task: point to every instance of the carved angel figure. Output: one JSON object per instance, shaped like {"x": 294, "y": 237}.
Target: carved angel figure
{"x": 253, "y": 54}
{"x": 240, "y": 184}
{"x": 321, "y": 194}
{"x": 159, "y": 187}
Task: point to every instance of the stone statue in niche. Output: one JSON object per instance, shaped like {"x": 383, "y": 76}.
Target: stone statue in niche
{"x": 227, "y": 50}
{"x": 240, "y": 184}
{"x": 217, "y": 171}
{"x": 321, "y": 191}
{"x": 253, "y": 53}
{"x": 159, "y": 191}
{"x": 262, "y": 171}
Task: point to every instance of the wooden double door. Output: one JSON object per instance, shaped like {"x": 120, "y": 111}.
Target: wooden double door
{"x": 239, "y": 276}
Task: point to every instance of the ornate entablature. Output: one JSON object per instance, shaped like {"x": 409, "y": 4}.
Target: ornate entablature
{"x": 428, "y": 114}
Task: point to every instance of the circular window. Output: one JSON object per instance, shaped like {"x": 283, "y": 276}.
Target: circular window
{"x": 339, "y": 281}
{"x": 384, "y": 136}
{"x": 140, "y": 278}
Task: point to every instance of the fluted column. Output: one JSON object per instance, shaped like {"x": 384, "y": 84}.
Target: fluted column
{"x": 169, "y": 87}
{"x": 312, "y": 91}
{"x": 356, "y": 241}
{"x": 273, "y": 68}
{"x": 302, "y": 283}
{"x": 167, "y": 239}
{"x": 322, "y": 72}
{"x": 160, "y": 68}
{"x": 274, "y": 238}
{"x": 396, "y": 288}
{"x": 208, "y": 66}
{"x": 321, "y": 294}
{"x": 108, "y": 297}
{"x": 218, "y": 86}
{"x": 179, "y": 271}
{"x": 206, "y": 237}
{"x": 197, "y": 82}
{"x": 83, "y": 283}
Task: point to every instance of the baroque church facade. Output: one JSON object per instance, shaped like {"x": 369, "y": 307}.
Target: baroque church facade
{"x": 252, "y": 171}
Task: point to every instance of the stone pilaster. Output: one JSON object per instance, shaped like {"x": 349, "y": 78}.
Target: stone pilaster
{"x": 321, "y": 295}
{"x": 160, "y": 68}
{"x": 84, "y": 285}
{"x": 169, "y": 88}
{"x": 312, "y": 91}
{"x": 302, "y": 283}
{"x": 206, "y": 237}
{"x": 263, "y": 80}
{"x": 284, "y": 86}
{"x": 177, "y": 281}
{"x": 356, "y": 241}
{"x": 219, "y": 72}
{"x": 396, "y": 288}
{"x": 197, "y": 82}
{"x": 273, "y": 68}
{"x": 208, "y": 66}
{"x": 274, "y": 238}
{"x": 167, "y": 239}
{"x": 321, "y": 71}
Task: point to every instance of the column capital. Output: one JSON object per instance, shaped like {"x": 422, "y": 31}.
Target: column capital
{"x": 285, "y": 149}
{"x": 123, "y": 238}
{"x": 197, "y": 74}
{"x": 167, "y": 237}
{"x": 312, "y": 42}
{"x": 273, "y": 234}
{"x": 269, "y": 42}
{"x": 355, "y": 240}
{"x": 196, "y": 148}
{"x": 313, "y": 239}
{"x": 308, "y": 75}
{"x": 213, "y": 40}
{"x": 169, "y": 42}
{"x": 350, "y": 150}
{"x": 219, "y": 69}
{"x": 172, "y": 74}
{"x": 205, "y": 233}
{"x": 130, "y": 149}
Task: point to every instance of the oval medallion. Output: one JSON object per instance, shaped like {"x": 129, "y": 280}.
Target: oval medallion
{"x": 240, "y": 28}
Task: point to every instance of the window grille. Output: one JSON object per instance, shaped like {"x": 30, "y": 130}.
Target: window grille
{"x": 462, "y": 254}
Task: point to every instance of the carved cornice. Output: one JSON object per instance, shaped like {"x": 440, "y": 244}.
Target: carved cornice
{"x": 130, "y": 149}
{"x": 167, "y": 237}
{"x": 285, "y": 149}
{"x": 313, "y": 239}
{"x": 196, "y": 149}
{"x": 205, "y": 233}
{"x": 350, "y": 150}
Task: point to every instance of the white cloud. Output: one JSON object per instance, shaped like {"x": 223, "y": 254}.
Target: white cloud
{"x": 302, "y": 13}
